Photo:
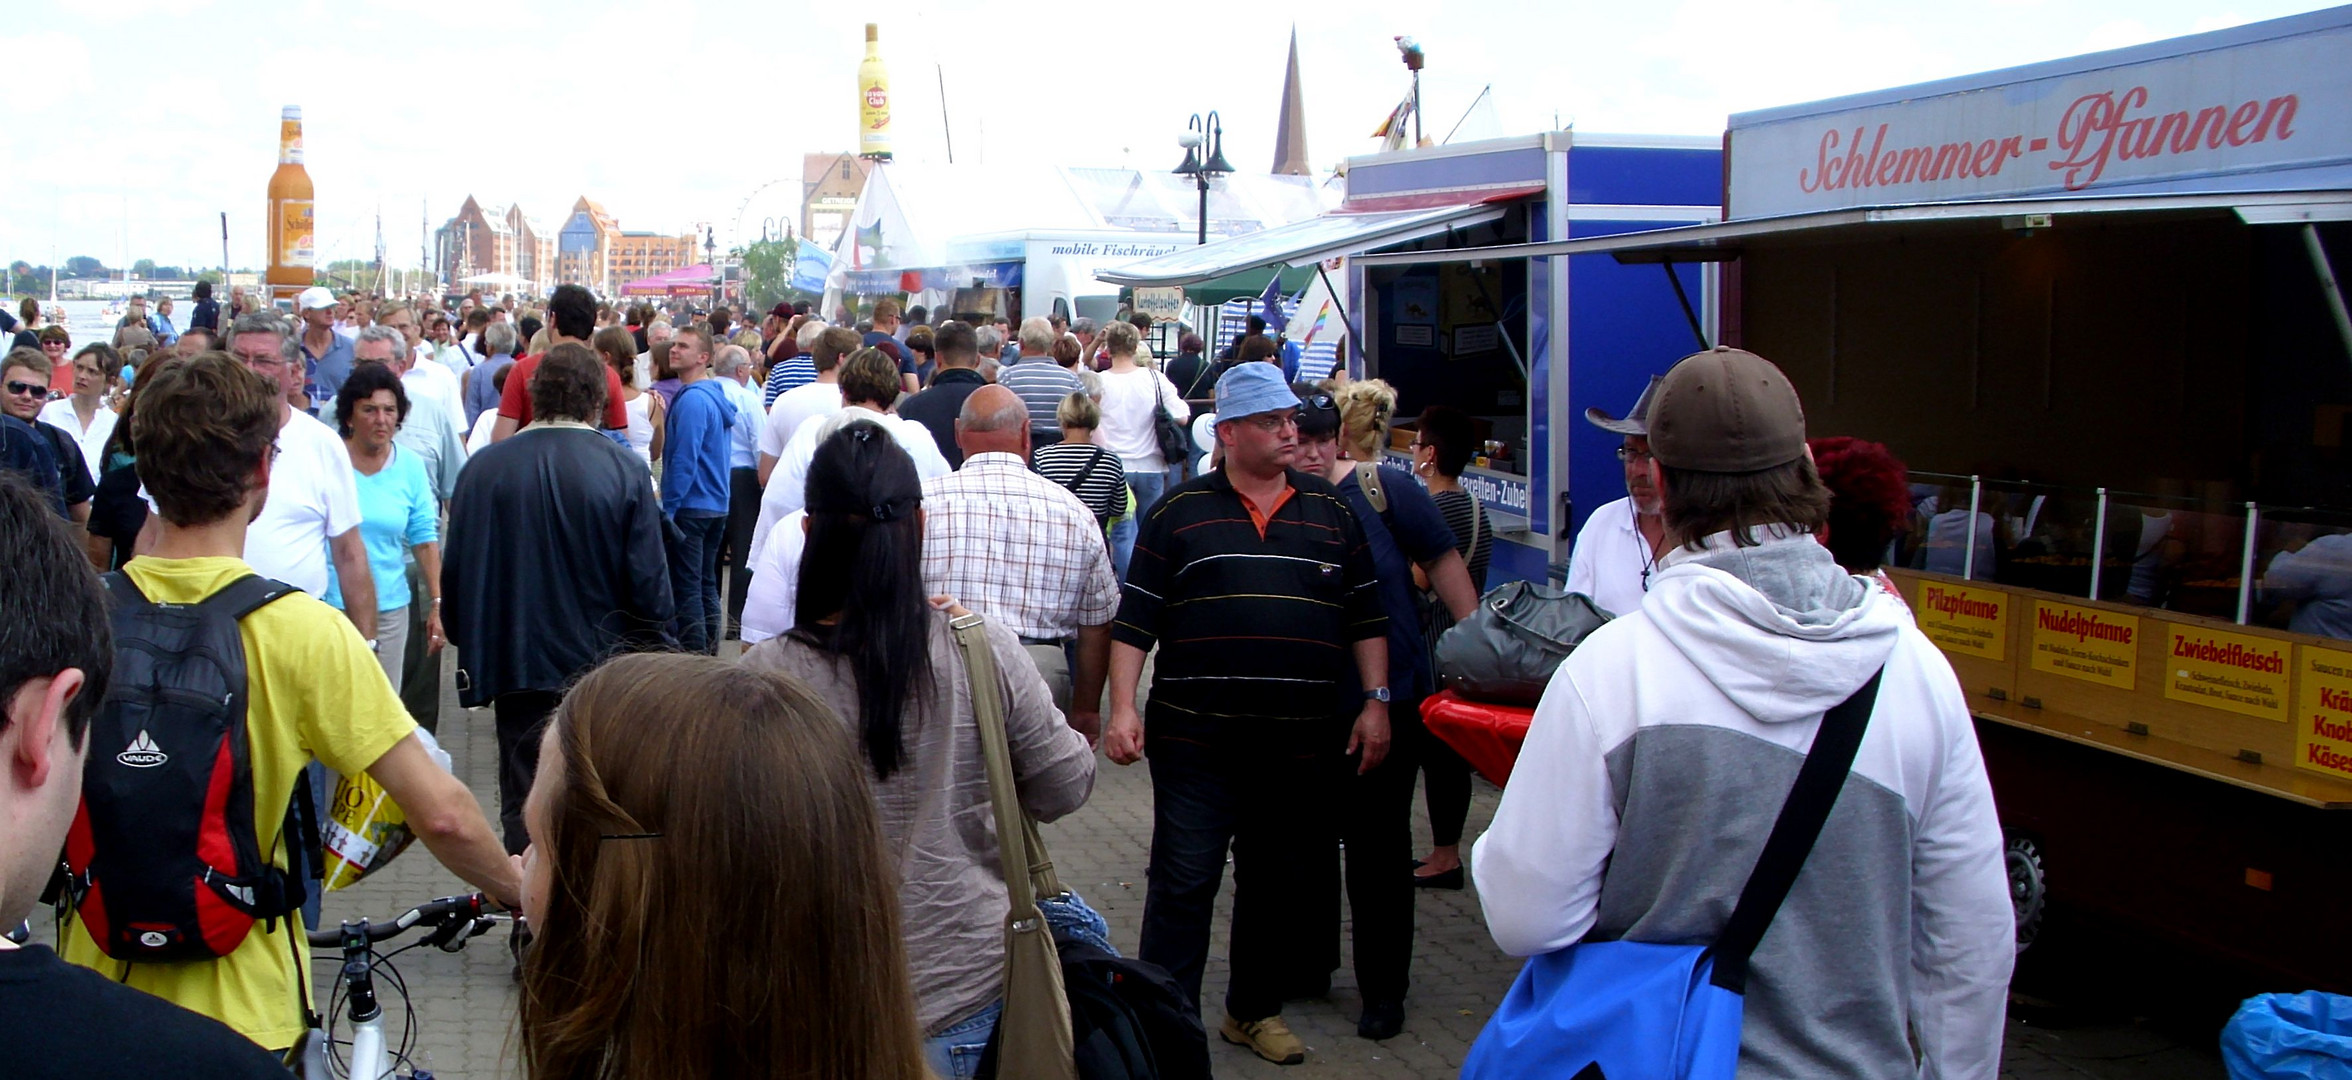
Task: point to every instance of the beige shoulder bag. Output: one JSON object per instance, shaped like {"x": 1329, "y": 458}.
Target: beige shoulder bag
{"x": 1033, "y": 1037}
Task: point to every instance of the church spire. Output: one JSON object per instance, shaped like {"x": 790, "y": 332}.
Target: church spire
{"x": 1290, "y": 132}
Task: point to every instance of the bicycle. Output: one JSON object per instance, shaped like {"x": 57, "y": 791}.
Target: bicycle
{"x": 319, "y": 1055}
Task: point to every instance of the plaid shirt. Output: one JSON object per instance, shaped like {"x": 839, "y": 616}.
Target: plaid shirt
{"x": 1017, "y": 548}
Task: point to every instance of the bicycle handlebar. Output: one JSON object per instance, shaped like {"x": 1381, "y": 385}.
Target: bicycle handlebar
{"x": 439, "y": 913}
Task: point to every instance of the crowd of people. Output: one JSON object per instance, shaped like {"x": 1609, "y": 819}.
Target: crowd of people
{"x": 587, "y": 501}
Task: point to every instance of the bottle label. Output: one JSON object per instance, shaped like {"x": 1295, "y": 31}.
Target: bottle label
{"x": 874, "y": 119}
{"x": 295, "y": 236}
{"x": 290, "y": 142}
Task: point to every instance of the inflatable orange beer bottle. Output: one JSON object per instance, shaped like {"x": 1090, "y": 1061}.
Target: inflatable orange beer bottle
{"x": 291, "y": 236}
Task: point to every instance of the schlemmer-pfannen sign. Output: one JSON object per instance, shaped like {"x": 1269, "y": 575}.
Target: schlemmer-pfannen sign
{"x": 2224, "y": 111}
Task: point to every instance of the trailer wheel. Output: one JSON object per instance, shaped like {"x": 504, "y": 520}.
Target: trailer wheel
{"x": 2028, "y": 892}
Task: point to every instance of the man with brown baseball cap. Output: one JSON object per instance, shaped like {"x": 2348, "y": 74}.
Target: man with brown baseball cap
{"x": 1664, "y": 747}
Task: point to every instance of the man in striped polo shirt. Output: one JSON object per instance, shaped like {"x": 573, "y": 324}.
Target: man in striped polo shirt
{"x": 1256, "y": 584}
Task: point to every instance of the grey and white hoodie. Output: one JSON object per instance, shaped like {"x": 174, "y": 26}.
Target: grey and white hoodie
{"x": 1658, "y": 759}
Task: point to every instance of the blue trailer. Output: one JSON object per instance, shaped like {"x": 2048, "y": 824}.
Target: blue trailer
{"x": 1523, "y": 345}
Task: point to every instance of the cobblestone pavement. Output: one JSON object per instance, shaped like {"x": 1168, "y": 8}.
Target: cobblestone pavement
{"x": 464, "y": 1004}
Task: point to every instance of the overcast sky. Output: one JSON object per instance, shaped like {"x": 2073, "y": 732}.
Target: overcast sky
{"x": 132, "y": 124}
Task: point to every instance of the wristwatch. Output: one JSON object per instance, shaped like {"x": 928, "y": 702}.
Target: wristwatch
{"x": 1379, "y": 694}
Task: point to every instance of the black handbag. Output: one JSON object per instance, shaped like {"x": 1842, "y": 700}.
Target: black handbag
{"x": 1507, "y": 650}
{"x": 1175, "y": 441}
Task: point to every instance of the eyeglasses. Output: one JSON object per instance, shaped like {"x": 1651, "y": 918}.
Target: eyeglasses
{"x": 26, "y": 389}
{"x": 1629, "y": 454}
{"x": 1319, "y": 401}
{"x": 1275, "y": 421}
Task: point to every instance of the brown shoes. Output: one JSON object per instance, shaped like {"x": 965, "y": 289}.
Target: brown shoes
{"x": 1269, "y": 1038}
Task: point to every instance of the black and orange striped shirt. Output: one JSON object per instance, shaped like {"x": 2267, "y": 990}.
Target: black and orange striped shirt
{"x": 1253, "y": 630}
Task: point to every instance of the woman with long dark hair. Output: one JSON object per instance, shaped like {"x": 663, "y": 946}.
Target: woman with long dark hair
{"x": 870, "y": 643}
{"x": 708, "y": 886}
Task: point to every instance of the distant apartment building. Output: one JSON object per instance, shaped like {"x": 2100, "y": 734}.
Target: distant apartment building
{"x": 829, "y": 189}
{"x": 590, "y": 248}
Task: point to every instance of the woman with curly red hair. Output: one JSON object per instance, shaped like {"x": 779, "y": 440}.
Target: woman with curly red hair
{"x": 1869, "y": 505}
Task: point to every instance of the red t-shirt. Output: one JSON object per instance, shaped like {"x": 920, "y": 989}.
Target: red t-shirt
{"x": 515, "y": 402}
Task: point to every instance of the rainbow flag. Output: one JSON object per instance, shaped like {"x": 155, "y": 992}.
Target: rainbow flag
{"x": 1322, "y": 320}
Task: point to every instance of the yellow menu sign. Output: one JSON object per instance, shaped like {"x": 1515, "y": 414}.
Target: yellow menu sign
{"x": 2216, "y": 668}
{"x": 2323, "y": 724}
{"x": 1965, "y": 620}
{"x": 2085, "y": 643}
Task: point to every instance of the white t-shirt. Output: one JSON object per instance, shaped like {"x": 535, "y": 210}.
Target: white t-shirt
{"x": 312, "y": 496}
{"x": 794, "y": 406}
{"x": 1128, "y": 399}
{"x": 770, "y": 607}
{"x": 440, "y": 382}
{"x": 787, "y": 489}
{"x": 1609, "y": 557}
{"x": 478, "y": 439}
{"x": 60, "y": 414}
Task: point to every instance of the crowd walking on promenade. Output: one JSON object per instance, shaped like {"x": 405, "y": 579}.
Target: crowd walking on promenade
{"x": 969, "y": 565}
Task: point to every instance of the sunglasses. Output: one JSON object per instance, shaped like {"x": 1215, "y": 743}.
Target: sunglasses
{"x": 26, "y": 389}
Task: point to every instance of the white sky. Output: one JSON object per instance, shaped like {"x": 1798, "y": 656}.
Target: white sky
{"x": 132, "y": 124}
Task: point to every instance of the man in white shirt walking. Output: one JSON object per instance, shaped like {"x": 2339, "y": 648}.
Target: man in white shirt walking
{"x": 826, "y": 346}
{"x": 311, "y": 517}
{"x": 869, "y": 385}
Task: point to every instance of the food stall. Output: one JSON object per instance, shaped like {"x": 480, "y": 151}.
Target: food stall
{"x": 1522, "y": 345}
{"x": 2093, "y": 303}
{"x": 1027, "y": 239}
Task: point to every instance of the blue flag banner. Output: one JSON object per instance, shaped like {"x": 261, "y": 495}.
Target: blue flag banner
{"x": 810, "y": 267}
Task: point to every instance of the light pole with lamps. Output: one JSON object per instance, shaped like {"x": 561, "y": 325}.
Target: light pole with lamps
{"x": 1197, "y": 138}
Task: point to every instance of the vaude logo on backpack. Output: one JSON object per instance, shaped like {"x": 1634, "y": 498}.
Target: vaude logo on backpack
{"x": 143, "y": 753}
{"x": 1629, "y": 1010}
{"x": 163, "y": 863}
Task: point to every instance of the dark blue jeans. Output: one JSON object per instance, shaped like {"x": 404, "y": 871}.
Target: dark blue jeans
{"x": 1276, "y": 811}
{"x": 694, "y": 579}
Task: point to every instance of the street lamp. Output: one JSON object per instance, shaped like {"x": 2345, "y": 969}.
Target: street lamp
{"x": 1199, "y": 136}
{"x": 710, "y": 252}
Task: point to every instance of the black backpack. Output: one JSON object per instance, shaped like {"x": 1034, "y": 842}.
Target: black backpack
{"x": 162, "y": 863}
{"x": 1129, "y": 1020}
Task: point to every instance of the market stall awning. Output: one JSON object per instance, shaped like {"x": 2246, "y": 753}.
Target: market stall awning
{"x": 1300, "y": 243}
{"x": 684, "y": 281}
{"x": 1723, "y": 240}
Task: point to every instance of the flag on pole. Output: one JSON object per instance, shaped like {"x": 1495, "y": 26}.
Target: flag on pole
{"x": 809, "y": 268}
{"x": 1270, "y": 305}
{"x": 1391, "y": 132}
{"x": 1320, "y": 312}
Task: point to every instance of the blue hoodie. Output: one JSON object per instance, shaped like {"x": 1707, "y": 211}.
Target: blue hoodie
{"x": 694, "y": 452}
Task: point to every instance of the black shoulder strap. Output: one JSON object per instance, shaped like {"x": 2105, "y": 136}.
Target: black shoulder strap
{"x": 1818, "y": 782}
{"x": 1078, "y": 482}
{"x": 120, "y": 589}
{"x": 248, "y": 594}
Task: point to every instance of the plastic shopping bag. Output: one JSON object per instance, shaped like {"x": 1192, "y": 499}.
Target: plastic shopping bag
{"x": 2306, "y": 1036}
{"x": 364, "y": 828}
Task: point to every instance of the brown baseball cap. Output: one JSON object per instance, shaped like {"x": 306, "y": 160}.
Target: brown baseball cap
{"x": 1726, "y": 410}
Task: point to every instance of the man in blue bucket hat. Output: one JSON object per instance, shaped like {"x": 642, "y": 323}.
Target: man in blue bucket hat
{"x": 1256, "y": 584}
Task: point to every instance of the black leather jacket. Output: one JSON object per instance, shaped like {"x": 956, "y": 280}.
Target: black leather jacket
{"x": 553, "y": 562}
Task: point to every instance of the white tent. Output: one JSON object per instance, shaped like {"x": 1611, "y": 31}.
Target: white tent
{"x": 928, "y": 229}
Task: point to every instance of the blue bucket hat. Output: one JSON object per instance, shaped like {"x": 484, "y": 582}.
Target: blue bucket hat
{"x": 1253, "y": 388}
